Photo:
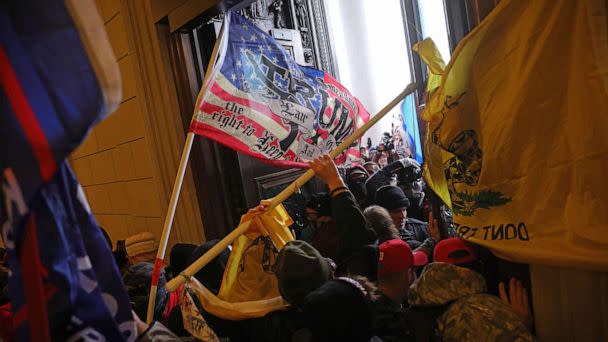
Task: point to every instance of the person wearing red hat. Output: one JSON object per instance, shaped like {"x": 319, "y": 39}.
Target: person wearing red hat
{"x": 396, "y": 268}
{"x": 455, "y": 251}
{"x": 397, "y": 264}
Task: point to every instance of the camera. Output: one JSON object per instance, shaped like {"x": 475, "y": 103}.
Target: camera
{"x": 387, "y": 140}
{"x": 409, "y": 174}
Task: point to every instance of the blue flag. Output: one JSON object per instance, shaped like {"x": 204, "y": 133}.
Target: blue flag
{"x": 57, "y": 78}
{"x": 410, "y": 126}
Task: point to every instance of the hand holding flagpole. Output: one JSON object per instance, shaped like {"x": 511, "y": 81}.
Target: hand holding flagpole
{"x": 283, "y": 195}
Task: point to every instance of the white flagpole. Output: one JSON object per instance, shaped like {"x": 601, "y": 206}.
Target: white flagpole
{"x": 283, "y": 195}
{"x": 179, "y": 178}
{"x": 162, "y": 245}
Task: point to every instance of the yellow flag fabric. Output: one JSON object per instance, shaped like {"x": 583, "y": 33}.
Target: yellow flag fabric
{"x": 249, "y": 275}
{"x": 517, "y": 134}
{"x": 232, "y": 311}
{"x": 430, "y": 54}
{"x": 249, "y": 287}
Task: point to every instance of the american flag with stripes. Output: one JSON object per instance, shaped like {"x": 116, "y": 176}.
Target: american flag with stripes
{"x": 257, "y": 100}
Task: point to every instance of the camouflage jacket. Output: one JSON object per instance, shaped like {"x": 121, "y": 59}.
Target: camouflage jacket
{"x": 472, "y": 314}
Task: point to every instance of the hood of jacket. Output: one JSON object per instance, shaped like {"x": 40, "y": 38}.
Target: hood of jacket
{"x": 442, "y": 283}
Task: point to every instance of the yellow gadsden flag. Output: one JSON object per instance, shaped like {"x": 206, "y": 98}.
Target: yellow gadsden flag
{"x": 249, "y": 287}
{"x": 517, "y": 138}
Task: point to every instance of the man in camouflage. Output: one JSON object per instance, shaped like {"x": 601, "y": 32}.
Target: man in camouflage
{"x": 470, "y": 314}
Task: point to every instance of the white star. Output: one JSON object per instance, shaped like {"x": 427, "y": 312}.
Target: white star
{"x": 268, "y": 48}
{"x": 233, "y": 77}
{"x": 261, "y": 48}
{"x": 275, "y": 60}
{"x": 242, "y": 77}
{"x": 243, "y": 50}
{"x": 245, "y": 26}
{"x": 243, "y": 39}
{"x": 239, "y": 64}
{"x": 254, "y": 38}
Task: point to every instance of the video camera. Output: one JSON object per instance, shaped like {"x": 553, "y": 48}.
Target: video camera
{"x": 409, "y": 178}
{"x": 387, "y": 140}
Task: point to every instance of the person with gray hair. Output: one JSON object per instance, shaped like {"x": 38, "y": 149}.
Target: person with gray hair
{"x": 382, "y": 223}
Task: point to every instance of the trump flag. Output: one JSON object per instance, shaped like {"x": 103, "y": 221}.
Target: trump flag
{"x": 258, "y": 101}
{"x": 58, "y": 77}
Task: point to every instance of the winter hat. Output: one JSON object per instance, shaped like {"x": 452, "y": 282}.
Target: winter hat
{"x": 321, "y": 203}
{"x": 300, "y": 269}
{"x": 371, "y": 166}
{"x": 180, "y": 257}
{"x": 137, "y": 280}
{"x": 356, "y": 170}
{"x": 397, "y": 256}
{"x": 141, "y": 243}
{"x": 338, "y": 311}
{"x": 454, "y": 251}
{"x": 211, "y": 275}
{"x": 391, "y": 197}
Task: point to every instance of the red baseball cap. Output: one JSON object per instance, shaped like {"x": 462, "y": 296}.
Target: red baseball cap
{"x": 397, "y": 256}
{"x": 454, "y": 251}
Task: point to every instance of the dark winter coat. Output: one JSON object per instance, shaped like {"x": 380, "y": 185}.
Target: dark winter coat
{"x": 358, "y": 247}
{"x": 414, "y": 232}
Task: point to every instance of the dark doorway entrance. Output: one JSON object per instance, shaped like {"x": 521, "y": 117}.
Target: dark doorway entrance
{"x": 227, "y": 182}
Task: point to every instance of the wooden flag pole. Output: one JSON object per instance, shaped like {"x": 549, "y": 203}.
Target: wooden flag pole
{"x": 177, "y": 186}
{"x": 162, "y": 245}
{"x": 298, "y": 183}
{"x": 283, "y": 195}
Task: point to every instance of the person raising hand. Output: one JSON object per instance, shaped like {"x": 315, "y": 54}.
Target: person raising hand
{"x": 325, "y": 168}
{"x": 357, "y": 249}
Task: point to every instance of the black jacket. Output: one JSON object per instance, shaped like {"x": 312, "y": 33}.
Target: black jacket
{"x": 358, "y": 247}
{"x": 414, "y": 232}
{"x": 374, "y": 182}
{"x": 390, "y": 322}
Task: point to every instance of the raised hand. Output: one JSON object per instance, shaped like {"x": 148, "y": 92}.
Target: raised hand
{"x": 517, "y": 300}
{"x": 260, "y": 208}
{"x": 326, "y": 170}
{"x": 434, "y": 228}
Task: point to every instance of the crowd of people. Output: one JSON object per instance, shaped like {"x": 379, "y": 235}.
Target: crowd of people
{"x": 372, "y": 265}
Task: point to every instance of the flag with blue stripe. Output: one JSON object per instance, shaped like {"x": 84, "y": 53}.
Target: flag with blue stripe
{"x": 410, "y": 126}
{"x": 58, "y": 77}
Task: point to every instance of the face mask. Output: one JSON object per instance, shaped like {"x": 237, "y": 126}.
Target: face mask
{"x": 357, "y": 188}
{"x": 314, "y": 225}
